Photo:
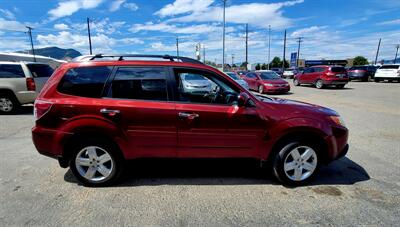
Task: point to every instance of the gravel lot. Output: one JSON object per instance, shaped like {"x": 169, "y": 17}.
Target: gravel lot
{"x": 360, "y": 189}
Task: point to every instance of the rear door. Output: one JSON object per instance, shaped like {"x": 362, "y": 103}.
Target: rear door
{"x": 40, "y": 73}
{"x": 307, "y": 75}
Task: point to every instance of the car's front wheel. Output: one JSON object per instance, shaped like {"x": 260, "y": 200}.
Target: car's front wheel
{"x": 296, "y": 82}
{"x": 96, "y": 163}
{"x": 296, "y": 162}
{"x": 319, "y": 84}
{"x": 261, "y": 89}
{"x": 340, "y": 86}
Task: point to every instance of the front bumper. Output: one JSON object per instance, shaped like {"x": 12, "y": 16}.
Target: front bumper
{"x": 276, "y": 89}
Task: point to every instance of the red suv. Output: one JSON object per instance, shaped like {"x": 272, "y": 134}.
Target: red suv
{"x": 266, "y": 81}
{"x": 322, "y": 76}
{"x": 94, "y": 115}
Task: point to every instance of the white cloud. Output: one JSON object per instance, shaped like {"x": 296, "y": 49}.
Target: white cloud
{"x": 67, "y": 8}
{"x": 100, "y": 26}
{"x": 390, "y": 22}
{"x": 256, "y": 14}
{"x": 12, "y": 25}
{"x": 61, "y": 26}
{"x": 184, "y": 6}
{"x": 116, "y": 4}
{"x": 131, "y": 6}
{"x": 307, "y": 31}
{"x": 7, "y": 14}
{"x": 192, "y": 29}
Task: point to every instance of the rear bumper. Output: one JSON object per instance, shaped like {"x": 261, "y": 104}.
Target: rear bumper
{"x": 335, "y": 82}
{"x": 25, "y": 97}
{"x": 387, "y": 78}
{"x": 48, "y": 142}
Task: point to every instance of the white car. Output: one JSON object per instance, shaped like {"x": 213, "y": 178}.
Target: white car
{"x": 289, "y": 73}
{"x": 388, "y": 72}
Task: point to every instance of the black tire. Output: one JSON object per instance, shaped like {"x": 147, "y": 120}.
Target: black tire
{"x": 282, "y": 154}
{"x": 319, "y": 84}
{"x": 117, "y": 160}
{"x": 377, "y": 80}
{"x": 340, "y": 86}
{"x": 296, "y": 82}
{"x": 8, "y": 104}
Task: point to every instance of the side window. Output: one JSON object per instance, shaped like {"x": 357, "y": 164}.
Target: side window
{"x": 319, "y": 69}
{"x": 11, "y": 71}
{"x": 86, "y": 81}
{"x": 39, "y": 70}
{"x": 204, "y": 87}
{"x": 251, "y": 75}
{"x": 309, "y": 70}
{"x": 140, "y": 83}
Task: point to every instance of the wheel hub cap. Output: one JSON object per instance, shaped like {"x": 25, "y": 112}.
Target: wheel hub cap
{"x": 94, "y": 163}
{"x": 5, "y": 104}
{"x": 300, "y": 163}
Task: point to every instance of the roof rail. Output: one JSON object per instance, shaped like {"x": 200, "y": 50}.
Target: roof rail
{"x": 169, "y": 57}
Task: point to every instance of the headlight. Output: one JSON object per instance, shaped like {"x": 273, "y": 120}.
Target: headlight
{"x": 269, "y": 85}
{"x": 338, "y": 120}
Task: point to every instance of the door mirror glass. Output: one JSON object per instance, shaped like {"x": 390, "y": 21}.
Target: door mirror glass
{"x": 243, "y": 99}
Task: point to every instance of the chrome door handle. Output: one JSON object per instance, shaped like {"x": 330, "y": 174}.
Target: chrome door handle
{"x": 189, "y": 116}
{"x": 109, "y": 112}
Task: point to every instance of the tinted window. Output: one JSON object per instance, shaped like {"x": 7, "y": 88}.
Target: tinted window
{"x": 309, "y": 70}
{"x": 319, "y": 69}
{"x": 338, "y": 69}
{"x": 389, "y": 67}
{"x": 233, "y": 76}
{"x": 38, "y": 70}
{"x": 140, "y": 83}
{"x": 359, "y": 68}
{"x": 251, "y": 75}
{"x": 85, "y": 82}
{"x": 269, "y": 76}
{"x": 11, "y": 71}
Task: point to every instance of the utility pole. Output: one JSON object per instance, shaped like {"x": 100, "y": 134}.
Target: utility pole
{"x": 247, "y": 44}
{"x": 204, "y": 53}
{"x": 284, "y": 52}
{"x": 198, "y": 49}
{"x": 299, "y": 40}
{"x": 90, "y": 39}
{"x": 269, "y": 46}
{"x": 223, "y": 38}
{"x": 177, "y": 47}
{"x": 233, "y": 59}
{"x": 377, "y": 51}
{"x": 397, "y": 51}
{"x": 30, "y": 36}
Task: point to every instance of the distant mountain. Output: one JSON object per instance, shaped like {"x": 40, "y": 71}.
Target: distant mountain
{"x": 57, "y": 53}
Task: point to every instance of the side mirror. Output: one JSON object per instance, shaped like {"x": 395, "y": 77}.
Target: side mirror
{"x": 243, "y": 99}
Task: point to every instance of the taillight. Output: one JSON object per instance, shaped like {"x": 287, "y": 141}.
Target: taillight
{"x": 30, "y": 84}
{"x": 331, "y": 74}
{"x": 41, "y": 108}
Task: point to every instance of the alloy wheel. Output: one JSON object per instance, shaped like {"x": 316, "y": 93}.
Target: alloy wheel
{"x": 319, "y": 84}
{"x": 94, "y": 163}
{"x": 300, "y": 163}
{"x": 6, "y": 105}
{"x": 260, "y": 89}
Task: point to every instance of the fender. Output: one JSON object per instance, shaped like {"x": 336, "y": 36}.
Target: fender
{"x": 293, "y": 125}
{"x": 99, "y": 126}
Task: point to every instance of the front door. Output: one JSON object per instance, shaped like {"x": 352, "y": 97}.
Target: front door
{"x": 210, "y": 124}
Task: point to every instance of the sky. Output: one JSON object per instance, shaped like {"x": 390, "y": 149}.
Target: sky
{"x": 330, "y": 29}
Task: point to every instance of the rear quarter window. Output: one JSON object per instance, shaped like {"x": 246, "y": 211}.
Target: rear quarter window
{"x": 39, "y": 70}
{"x": 85, "y": 82}
{"x": 11, "y": 71}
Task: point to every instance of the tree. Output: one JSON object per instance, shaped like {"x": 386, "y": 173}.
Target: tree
{"x": 360, "y": 60}
{"x": 286, "y": 64}
{"x": 258, "y": 67}
{"x": 276, "y": 62}
{"x": 243, "y": 65}
{"x": 234, "y": 66}
{"x": 264, "y": 66}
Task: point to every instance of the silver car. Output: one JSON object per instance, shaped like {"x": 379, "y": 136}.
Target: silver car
{"x": 239, "y": 80}
{"x": 194, "y": 83}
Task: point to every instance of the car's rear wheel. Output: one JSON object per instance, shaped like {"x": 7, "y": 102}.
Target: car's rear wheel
{"x": 340, "y": 86}
{"x": 296, "y": 162}
{"x": 296, "y": 82}
{"x": 377, "y": 80}
{"x": 261, "y": 89}
{"x": 8, "y": 104}
{"x": 96, "y": 163}
{"x": 319, "y": 84}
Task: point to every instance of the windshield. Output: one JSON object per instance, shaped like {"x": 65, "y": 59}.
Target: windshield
{"x": 269, "y": 76}
{"x": 233, "y": 76}
{"x": 389, "y": 67}
{"x": 38, "y": 70}
{"x": 194, "y": 77}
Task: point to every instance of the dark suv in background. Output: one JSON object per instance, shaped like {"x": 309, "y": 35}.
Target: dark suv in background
{"x": 363, "y": 73}
{"x": 94, "y": 115}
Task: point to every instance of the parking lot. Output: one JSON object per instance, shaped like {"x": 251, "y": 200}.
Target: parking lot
{"x": 360, "y": 189}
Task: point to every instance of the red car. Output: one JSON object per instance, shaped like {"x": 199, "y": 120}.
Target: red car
{"x": 266, "y": 81}
{"x": 94, "y": 115}
{"x": 322, "y": 76}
